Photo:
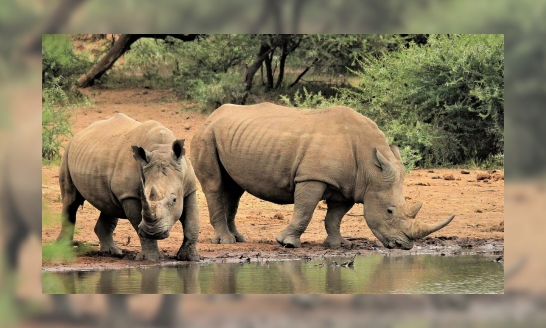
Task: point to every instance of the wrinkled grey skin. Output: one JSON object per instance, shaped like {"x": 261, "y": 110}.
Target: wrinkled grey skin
{"x": 294, "y": 156}
{"x": 132, "y": 170}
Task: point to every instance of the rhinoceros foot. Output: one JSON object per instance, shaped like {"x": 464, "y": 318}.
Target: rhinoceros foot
{"x": 112, "y": 249}
{"x": 336, "y": 242}
{"x": 289, "y": 241}
{"x": 188, "y": 254}
{"x": 239, "y": 237}
{"x": 224, "y": 239}
{"x": 149, "y": 256}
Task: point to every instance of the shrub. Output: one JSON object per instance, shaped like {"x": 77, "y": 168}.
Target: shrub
{"x": 55, "y": 121}
{"x": 60, "y": 65}
{"x": 454, "y": 86}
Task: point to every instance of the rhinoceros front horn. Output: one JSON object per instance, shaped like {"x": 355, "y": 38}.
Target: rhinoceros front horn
{"x": 144, "y": 199}
{"x": 419, "y": 230}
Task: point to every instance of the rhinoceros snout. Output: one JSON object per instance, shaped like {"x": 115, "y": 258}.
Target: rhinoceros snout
{"x": 158, "y": 235}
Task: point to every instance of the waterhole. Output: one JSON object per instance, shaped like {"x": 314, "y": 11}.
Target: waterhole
{"x": 371, "y": 274}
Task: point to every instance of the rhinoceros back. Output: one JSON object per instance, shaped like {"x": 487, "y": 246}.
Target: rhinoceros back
{"x": 101, "y": 163}
{"x": 267, "y": 148}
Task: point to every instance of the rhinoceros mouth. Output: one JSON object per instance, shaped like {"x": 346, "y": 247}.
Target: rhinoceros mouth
{"x": 398, "y": 244}
{"x": 159, "y": 235}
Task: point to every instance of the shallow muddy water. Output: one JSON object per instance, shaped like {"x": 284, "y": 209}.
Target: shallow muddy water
{"x": 422, "y": 274}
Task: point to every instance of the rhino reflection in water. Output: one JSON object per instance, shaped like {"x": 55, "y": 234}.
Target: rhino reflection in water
{"x": 294, "y": 156}
{"x": 132, "y": 170}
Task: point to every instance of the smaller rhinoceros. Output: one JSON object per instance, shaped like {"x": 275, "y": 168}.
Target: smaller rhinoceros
{"x": 132, "y": 170}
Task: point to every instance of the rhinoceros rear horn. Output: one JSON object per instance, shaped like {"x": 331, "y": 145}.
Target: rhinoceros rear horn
{"x": 412, "y": 212}
{"x": 420, "y": 230}
{"x": 178, "y": 148}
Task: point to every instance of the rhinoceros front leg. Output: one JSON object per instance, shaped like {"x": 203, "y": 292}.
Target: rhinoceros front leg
{"x": 104, "y": 229}
{"x": 306, "y": 197}
{"x": 149, "y": 249}
{"x": 332, "y": 222}
{"x": 190, "y": 225}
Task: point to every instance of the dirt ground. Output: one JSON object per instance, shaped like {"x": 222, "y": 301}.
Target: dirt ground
{"x": 477, "y": 204}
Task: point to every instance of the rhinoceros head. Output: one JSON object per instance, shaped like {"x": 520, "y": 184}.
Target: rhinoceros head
{"x": 161, "y": 188}
{"x": 385, "y": 210}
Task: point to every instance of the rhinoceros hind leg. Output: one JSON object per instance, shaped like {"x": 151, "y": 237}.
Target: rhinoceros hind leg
{"x": 332, "y": 222}
{"x": 232, "y": 195}
{"x": 306, "y": 197}
{"x": 72, "y": 199}
{"x": 104, "y": 229}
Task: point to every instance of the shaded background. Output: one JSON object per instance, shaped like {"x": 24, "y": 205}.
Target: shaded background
{"x": 21, "y": 25}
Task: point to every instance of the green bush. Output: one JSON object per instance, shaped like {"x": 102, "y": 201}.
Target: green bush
{"x": 56, "y": 125}
{"x": 60, "y": 65}
{"x": 453, "y": 86}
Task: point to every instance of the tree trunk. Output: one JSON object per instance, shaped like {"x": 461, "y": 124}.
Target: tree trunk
{"x": 282, "y": 60}
{"x": 118, "y": 49}
{"x": 262, "y": 73}
{"x": 265, "y": 50}
{"x": 268, "y": 71}
{"x": 302, "y": 74}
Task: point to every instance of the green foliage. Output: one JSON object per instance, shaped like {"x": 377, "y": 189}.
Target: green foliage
{"x": 55, "y": 120}
{"x": 453, "y": 86}
{"x": 60, "y": 65}
{"x": 442, "y": 103}
{"x": 222, "y": 88}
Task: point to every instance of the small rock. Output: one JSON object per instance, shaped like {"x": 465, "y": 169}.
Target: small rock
{"x": 497, "y": 177}
{"x": 430, "y": 171}
{"x": 278, "y": 216}
{"x": 163, "y": 111}
{"x": 436, "y": 177}
{"x": 478, "y": 211}
{"x": 449, "y": 177}
{"x": 465, "y": 172}
{"x": 145, "y": 92}
{"x": 187, "y": 126}
{"x": 485, "y": 180}
{"x": 422, "y": 184}
{"x": 483, "y": 176}
{"x": 187, "y": 117}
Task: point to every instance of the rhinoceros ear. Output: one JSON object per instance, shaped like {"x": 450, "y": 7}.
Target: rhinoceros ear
{"x": 141, "y": 155}
{"x": 381, "y": 162}
{"x": 396, "y": 151}
{"x": 178, "y": 148}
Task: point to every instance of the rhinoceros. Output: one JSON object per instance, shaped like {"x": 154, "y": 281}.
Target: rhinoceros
{"x": 133, "y": 170}
{"x": 300, "y": 156}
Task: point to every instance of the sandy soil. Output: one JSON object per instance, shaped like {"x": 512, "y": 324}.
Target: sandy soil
{"x": 478, "y": 205}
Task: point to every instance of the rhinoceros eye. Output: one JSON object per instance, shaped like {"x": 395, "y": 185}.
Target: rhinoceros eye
{"x": 389, "y": 210}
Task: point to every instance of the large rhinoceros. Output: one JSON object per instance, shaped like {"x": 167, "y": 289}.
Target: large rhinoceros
{"x": 298, "y": 156}
{"x": 132, "y": 170}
